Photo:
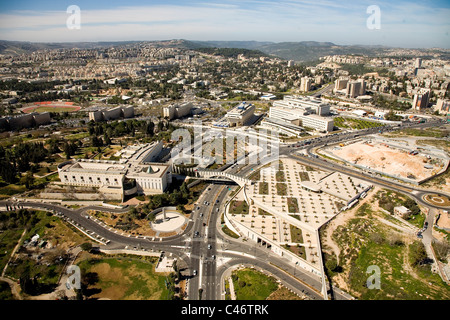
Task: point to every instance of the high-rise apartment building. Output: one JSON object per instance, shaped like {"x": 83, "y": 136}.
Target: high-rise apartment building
{"x": 421, "y": 99}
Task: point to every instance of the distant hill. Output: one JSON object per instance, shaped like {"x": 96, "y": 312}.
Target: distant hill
{"x": 20, "y": 47}
{"x": 299, "y": 51}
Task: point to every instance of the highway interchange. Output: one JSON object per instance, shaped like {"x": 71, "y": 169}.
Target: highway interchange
{"x": 204, "y": 253}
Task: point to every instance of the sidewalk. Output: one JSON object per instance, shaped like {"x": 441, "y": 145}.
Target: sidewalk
{"x": 232, "y": 293}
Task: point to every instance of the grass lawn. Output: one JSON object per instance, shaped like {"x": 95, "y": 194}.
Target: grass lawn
{"x": 281, "y": 189}
{"x": 125, "y": 279}
{"x": 280, "y": 176}
{"x": 342, "y": 122}
{"x": 238, "y": 207}
{"x": 229, "y": 232}
{"x": 418, "y": 220}
{"x": 263, "y": 188}
{"x": 304, "y": 176}
{"x": 55, "y": 109}
{"x": 253, "y": 285}
{"x": 8, "y": 190}
{"x": 292, "y": 205}
{"x": 296, "y": 234}
{"x": 298, "y": 250}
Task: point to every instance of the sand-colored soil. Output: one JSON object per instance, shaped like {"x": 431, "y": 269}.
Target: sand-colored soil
{"x": 385, "y": 159}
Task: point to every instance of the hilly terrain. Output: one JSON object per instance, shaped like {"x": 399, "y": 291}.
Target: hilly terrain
{"x": 302, "y": 51}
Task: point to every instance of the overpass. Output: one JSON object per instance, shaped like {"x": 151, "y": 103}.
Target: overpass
{"x": 221, "y": 176}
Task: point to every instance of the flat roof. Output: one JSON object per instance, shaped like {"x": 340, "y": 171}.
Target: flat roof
{"x": 311, "y": 186}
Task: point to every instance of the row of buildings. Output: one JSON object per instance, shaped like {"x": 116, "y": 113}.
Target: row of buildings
{"x": 351, "y": 89}
{"x": 293, "y": 113}
{"x": 25, "y": 121}
{"x": 112, "y": 114}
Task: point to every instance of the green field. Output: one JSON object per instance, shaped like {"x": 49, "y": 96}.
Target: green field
{"x": 359, "y": 124}
{"x": 435, "y": 132}
{"x": 123, "y": 279}
{"x": 54, "y": 109}
{"x": 253, "y": 285}
{"x": 239, "y": 207}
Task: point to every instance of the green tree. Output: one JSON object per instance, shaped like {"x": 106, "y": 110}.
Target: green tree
{"x": 27, "y": 180}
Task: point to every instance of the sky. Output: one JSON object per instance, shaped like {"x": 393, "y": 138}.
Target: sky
{"x": 408, "y": 24}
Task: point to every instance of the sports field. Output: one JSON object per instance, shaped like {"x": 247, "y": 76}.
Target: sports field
{"x": 51, "y": 106}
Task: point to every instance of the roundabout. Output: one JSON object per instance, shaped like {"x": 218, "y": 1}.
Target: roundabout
{"x": 437, "y": 200}
{"x": 169, "y": 220}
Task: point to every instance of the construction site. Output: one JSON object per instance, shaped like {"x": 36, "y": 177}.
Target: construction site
{"x": 391, "y": 158}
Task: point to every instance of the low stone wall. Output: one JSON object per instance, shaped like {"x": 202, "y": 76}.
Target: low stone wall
{"x": 126, "y": 251}
{"x": 80, "y": 196}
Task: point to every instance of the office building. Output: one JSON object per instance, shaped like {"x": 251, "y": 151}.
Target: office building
{"x": 356, "y": 88}
{"x": 306, "y": 104}
{"x": 299, "y": 117}
{"x": 241, "y": 114}
{"x": 134, "y": 173}
{"x": 112, "y": 114}
{"x": 175, "y": 111}
{"x": 341, "y": 83}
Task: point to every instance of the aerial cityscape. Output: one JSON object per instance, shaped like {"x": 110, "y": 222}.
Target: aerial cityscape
{"x": 160, "y": 151}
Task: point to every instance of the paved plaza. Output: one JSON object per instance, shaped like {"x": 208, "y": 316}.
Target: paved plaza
{"x": 289, "y": 202}
{"x": 170, "y": 222}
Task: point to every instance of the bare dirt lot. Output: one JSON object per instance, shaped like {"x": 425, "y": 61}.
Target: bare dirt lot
{"x": 385, "y": 159}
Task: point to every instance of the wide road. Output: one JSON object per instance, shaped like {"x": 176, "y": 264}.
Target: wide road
{"x": 204, "y": 251}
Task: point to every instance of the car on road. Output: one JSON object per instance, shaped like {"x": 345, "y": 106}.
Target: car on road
{"x": 425, "y": 225}
{"x": 196, "y": 233}
{"x": 195, "y": 272}
{"x": 209, "y": 247}
{"x": 419, "y": 235}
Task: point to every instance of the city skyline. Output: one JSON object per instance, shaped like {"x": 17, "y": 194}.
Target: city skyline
{"x": 408, "y": 24}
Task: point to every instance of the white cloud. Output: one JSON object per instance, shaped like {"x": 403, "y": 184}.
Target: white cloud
{"x": 290, "y": 20}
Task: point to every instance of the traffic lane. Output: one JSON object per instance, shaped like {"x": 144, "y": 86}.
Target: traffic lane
{"x": 375, "y": 180}
{"x": 285, "y": 279}
{"x": 93, "y": 226}
{"x": 255, "y": 251}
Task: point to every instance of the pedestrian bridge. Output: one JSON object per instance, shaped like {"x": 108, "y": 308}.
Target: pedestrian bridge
{"x": 221, "y": 176}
